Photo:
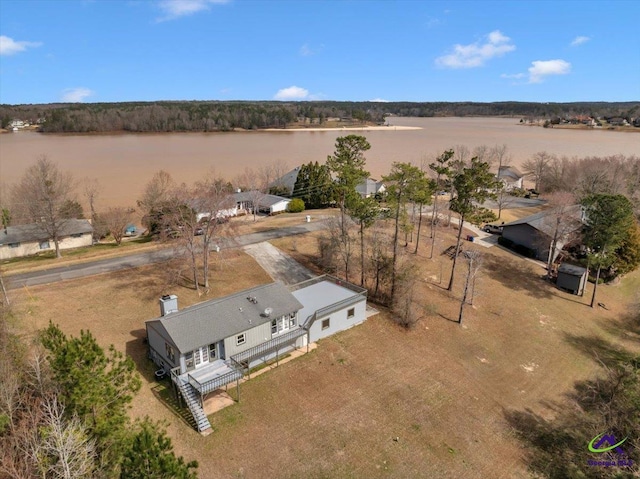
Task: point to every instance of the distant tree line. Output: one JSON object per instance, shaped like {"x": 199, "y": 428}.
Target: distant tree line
{"x": 165, "y": 116}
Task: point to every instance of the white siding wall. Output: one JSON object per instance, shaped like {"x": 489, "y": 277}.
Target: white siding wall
{"x": 338, "y": 321}
{"x": 33, "y": 247}
{"x": 280, "y": 206}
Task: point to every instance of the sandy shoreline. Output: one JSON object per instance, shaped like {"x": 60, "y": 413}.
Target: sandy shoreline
{"x": 349, "y": 128}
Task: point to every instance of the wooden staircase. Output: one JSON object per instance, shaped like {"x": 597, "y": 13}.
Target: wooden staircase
{"x": 190, "y": 396}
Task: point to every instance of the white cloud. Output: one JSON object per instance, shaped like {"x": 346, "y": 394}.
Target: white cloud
{"x": 579, "y": 41}
{"x": 476, "y": 54}
{"x": 291, "y": 93}
{"x": 306, "y": 50}
{"x": 8, "y": 46}
{"x": 543, "y": 68}
{"x": 514, "y": 75}
{"x": 75, "y": 95}
{"x": 379, "y": 100}
{"x": 181, "y": 8}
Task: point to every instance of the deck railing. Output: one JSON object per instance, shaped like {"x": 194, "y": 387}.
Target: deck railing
{"x": 268, "y": 347}
{"x": 215, "y": 383}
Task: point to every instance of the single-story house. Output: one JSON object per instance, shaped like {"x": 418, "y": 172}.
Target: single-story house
{"x": 270, "y": 204}
{"x": 510, "y": 177}
{"x": 209, "y": 345}
{"x": 370, "y": 187}
{"x": 26, "y": 240}
{"x": 536, "y": 232}
{"x": 241, "y": 203}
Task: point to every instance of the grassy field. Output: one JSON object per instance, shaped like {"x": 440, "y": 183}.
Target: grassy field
{"x": 376, "y": 401}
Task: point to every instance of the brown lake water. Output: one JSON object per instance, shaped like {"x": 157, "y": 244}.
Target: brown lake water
{"x": 124, "y": 163}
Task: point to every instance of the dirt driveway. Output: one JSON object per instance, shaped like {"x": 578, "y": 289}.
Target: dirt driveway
{"x": 280, "y": 266}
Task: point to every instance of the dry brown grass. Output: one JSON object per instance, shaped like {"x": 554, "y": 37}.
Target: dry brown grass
{"x": 441, "y": 389}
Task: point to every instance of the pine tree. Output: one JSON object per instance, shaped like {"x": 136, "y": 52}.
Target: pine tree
{"x": 473, "y": 186}
{"x": 149, "y": 454}
{"x": 94, "y": 386}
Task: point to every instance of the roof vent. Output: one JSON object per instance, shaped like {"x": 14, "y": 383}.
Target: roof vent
{"x": 252, "y": 299}
{"x": 267, "y": 312}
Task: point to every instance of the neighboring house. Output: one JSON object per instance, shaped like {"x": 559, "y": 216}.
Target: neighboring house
{"x": 370, "y": 187}
{"x": 209, "y": 345}
{"x": 25, "y": 240}
{"x": 270, "y": 204}
{"x": 241, "y": 203}
{"x": 536, "y": 231}
{"x": 510, "y": 177}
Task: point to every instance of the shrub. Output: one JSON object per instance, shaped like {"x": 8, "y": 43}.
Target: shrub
{"x": 296, "y": 205}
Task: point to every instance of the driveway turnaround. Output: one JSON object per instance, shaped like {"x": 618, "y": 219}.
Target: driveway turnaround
{"x": 280, "y": 266}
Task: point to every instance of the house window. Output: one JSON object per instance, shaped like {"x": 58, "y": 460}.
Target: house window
{"x": 44, "y": 245}
{"x": 213, "y": 351}
{"x": 293, "y": 320}
{"x": 171, "y": 355}
{"x": 274, "y": 326}
{"x": 351, "y": 312}
{"x": 240, "y": 339}
{"x": 76, "y": 235}
{"x": 188, "y": 359}
{"x": 14, "y": 245}
{"x": 325, "y": 323}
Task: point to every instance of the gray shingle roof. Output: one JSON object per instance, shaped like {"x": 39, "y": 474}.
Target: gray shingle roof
{"x": 543, "y": 221}
{"x": 265, "y": 201}
{"x": 35, "y": 232}
{"x": 214, "y": 320}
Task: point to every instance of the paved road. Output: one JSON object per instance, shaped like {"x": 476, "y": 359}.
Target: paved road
{"x": 136, "y": 260}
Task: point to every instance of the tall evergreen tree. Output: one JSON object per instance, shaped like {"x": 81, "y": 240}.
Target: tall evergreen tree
{"x": 609, "y": 223}
{"x": 442, "y": 171}
{"x": 404, "y": 181}
{"x": 473, "y": 185}
{"x": 94, "y": 386}
{"x": 347, "y": 164}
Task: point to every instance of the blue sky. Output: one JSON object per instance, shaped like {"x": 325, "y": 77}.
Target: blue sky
{"x": 110, "y": 50}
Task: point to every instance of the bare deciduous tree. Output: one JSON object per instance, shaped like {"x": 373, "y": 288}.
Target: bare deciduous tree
{"x": 116, "y": 221}
{"x": 66, "y": 449}
{"x": 91, "y": 190}
{"x": 474, "y": 263}
{"x": 563, "y": 219}
{"x": 40, "y": 195}
{"x": 501, "y": 155}
{"x": 250, "y": 181}
{"x": 537, "y": 166}
{"x": 213, "y": 199}
{"x": 156, "y": 192}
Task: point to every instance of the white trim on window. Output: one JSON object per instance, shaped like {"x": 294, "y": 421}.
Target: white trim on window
{"x": 241, "y": 339}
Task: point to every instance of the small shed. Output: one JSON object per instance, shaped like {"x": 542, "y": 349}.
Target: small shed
{"x": 572, "y": 278}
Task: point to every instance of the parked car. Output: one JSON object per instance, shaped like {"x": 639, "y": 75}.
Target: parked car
{"x": 495, "y": 229}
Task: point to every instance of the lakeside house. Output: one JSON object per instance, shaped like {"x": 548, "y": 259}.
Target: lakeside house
{"x": 536, "y": 232}
{"x": 25, "y": 240}
{"x": 510, "y": 177}
{"x": 209, "y": 345}
{"x": 241, "y": 203}
{"x": 370, "y": 187}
